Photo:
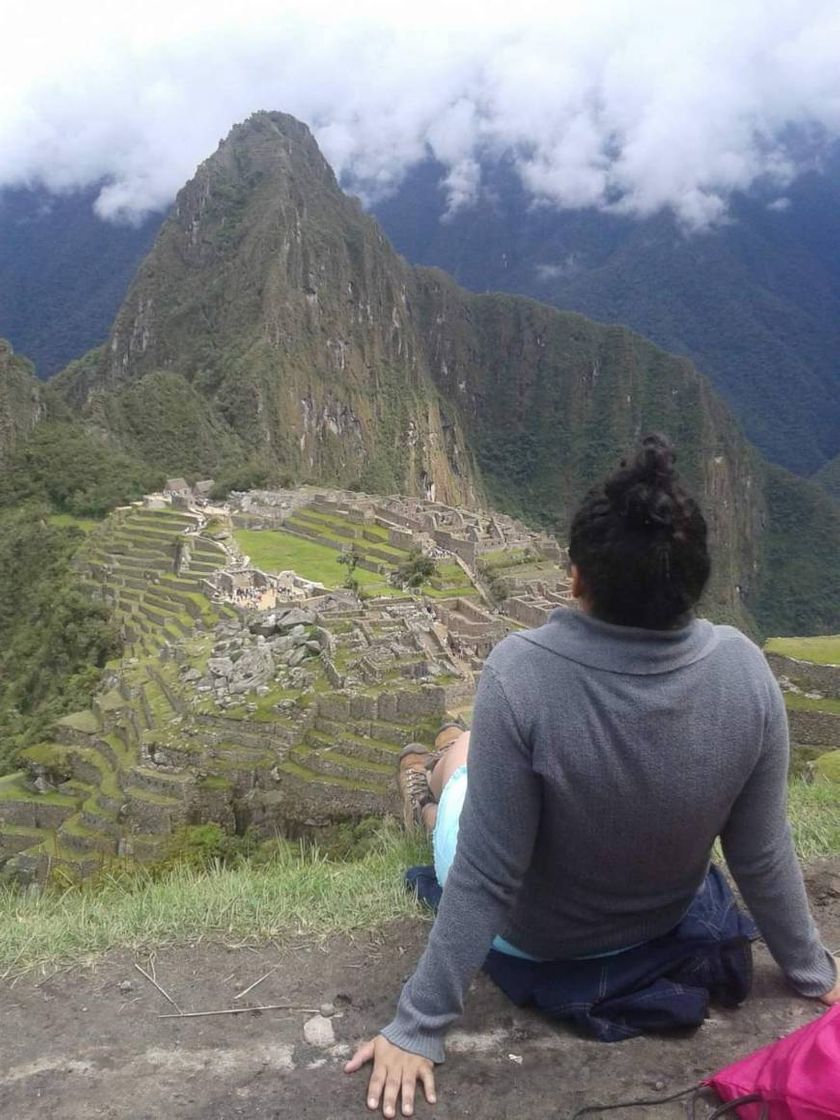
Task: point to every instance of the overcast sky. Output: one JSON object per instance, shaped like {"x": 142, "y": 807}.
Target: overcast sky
{"x": 630, "y": 104}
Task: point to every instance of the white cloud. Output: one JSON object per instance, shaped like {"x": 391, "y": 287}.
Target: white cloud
{"x": 631, "y": 105}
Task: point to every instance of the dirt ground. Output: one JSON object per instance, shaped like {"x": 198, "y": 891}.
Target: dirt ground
{"x": 90, "y": 1042}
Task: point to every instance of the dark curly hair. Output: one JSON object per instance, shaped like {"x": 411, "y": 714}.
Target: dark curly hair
{"x": 638, "y": 541}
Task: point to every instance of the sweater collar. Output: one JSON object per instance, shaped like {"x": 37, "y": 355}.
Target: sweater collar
{"x": 622, "y": 649}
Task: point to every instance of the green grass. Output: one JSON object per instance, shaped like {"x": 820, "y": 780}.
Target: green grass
{"x": 501, "y": 558}
{"x": 824, "y": 650}
{"x": 294, "y": 892}
{"x": 276, "y": 551}
{"x": 814, "y": 812}
{"x": 13, "y": 788}
{"x": 795, "y": 702}
{"x": 288, "y": 892}
{"x": 68, "y": 521}
{"x": 84, "y": 721}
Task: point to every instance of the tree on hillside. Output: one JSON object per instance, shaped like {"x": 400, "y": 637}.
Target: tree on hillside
{"x": 350, "y": 557}
{"x": 414, "y": 571}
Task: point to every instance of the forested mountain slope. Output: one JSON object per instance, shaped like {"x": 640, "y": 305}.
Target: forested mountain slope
{"x": 754, "y": 303}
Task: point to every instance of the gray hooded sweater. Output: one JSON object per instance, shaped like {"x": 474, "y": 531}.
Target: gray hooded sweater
{"x": 604, "y": 761}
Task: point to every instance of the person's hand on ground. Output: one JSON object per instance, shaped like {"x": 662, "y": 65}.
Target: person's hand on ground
{"x": 832, "y": 997}
{"x": 395, "y": 1072}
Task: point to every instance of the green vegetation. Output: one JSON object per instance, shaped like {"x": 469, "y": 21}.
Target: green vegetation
{"x": 349, "y": 558}
{"x": 165, "y": 420}
{"x": 814, "y": 817}
{"x": 824, "y": 650}
{"x": 240, "y": 892}
{"x": 795, "y": 702}
{"x": 414, "y": 571}
{"x": 56, "y": 639}
{"x": 827, "y": 769}
{"x": 829, "y": 478}
{"x": 799, "y": 576}
{"x": 276, "y": 551}
{"x": 21, "y": 400}
{"x": 74, "y": 472}
{"x": 68, "y": 521}
{"x": 283, "y": 890}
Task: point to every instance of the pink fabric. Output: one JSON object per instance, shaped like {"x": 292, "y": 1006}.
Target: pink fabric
{"x": 798, "y": 1076}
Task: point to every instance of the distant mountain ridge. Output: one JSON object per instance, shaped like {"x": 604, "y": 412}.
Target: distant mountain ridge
{"x": 63, "y": 272}
{"x": 755, "y": 304}
{"x": 273, "y": 323}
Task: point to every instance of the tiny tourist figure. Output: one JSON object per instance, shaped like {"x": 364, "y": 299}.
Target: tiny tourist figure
{"x": 573, "y": 826}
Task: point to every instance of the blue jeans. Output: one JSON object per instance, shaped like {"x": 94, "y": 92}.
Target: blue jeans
{"x": 662, "y": 985}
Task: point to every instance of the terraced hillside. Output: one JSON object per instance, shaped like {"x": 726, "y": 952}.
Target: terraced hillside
{"x": 312, "y": 538}
{"x": 290, "y": 724}
{"x": 809, "y": 672}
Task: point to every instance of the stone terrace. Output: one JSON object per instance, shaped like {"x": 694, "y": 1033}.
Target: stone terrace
{"x": 284, "y": 721}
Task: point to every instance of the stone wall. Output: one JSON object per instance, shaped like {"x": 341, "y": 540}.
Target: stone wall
{"x": 820, "y": 729}
{"x": 394, "y": 517}
{"x": 465, "y": 549}
{"x": 807, "y": 675}
{"x": 401, "y": 538}
{"x": 529, "y": 614}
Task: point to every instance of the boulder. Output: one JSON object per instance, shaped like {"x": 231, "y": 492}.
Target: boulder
{"x": 295, "y": 616}
{"x": 254, "y": 667}
{"x": 220, "y": 666}
{"x": 264, "y": 626}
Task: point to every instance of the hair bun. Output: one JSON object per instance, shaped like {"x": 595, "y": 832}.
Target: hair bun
{"x": 648, "y": 508}
{"x": 656, "y": 458}
{"x": 643, "y": 492}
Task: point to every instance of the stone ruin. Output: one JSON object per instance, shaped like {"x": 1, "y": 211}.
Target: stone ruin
{"x": 262, "y": 700}
{"x": 252, "y": 589}
{"x": 469, "y": 538}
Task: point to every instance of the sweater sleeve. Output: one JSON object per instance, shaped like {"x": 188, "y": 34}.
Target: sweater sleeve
{"x": 759, "y": 851}
{"x": 495, "y": 842}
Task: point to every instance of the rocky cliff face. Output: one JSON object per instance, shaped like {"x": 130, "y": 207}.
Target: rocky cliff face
{"x": 273, "y": 319}
{"x": 21, "y": 406}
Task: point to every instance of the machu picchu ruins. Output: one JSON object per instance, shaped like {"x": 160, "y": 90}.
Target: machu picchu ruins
{"x": 273, "y": 693}
{"x": 253, "y": 696}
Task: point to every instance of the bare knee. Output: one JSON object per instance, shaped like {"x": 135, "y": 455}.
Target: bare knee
{"x": 452, "y": 759}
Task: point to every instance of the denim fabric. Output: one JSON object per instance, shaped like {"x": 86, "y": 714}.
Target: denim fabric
{"x": 664, "y": 984}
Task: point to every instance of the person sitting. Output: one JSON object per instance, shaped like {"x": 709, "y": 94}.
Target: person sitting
{"x": 610, "y": 748}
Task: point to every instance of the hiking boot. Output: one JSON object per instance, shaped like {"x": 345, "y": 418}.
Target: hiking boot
{"x": 413, "y": 782}
{"x": 447, "y": 734}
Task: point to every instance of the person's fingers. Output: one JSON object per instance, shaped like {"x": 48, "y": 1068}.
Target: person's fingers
{"x": 376, "y": 1084}
{"x": 427, "y": 1076}
{"x": 364, "y": 1053}
{"x": 392, "y": 1090}
{"x": 408, "y": 1083}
